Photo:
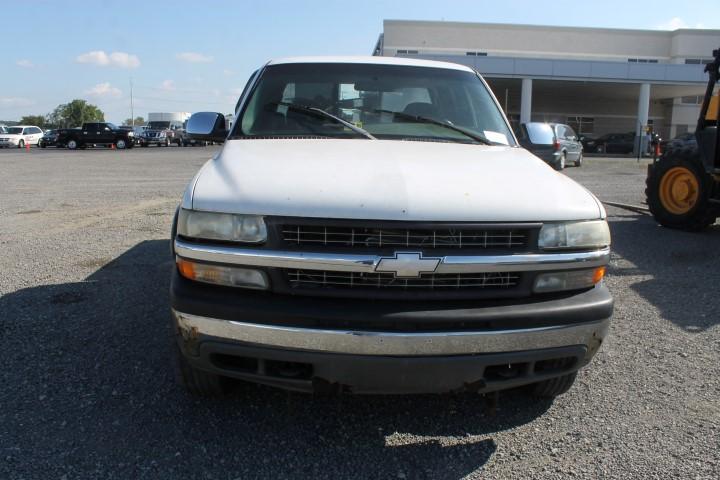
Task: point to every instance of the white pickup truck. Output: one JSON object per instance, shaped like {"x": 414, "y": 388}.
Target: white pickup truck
{"x": 372, "y": 226}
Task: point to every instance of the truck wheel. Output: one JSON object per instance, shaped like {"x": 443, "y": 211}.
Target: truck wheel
{"x": 72, "y": 144}
{"x": 553, "y": 387}
{"x": 199, "y": 382}
{"x": 678, "y": 191}
{"x": 560, "y": 165}
{"x": 21, "y": 143}
{"x": 167, "y": 142}
{"x": 120, "y": 144}
{"x": 578, "y": 162}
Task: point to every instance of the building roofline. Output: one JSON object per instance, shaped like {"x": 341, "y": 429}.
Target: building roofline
{"x": 697, "y": 31}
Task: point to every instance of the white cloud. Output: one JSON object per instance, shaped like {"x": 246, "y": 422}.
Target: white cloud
{"x": 115, "y": 59}
{"x": 167, "y": 85}
{"x": 677, "y": 22}
{"x": 194, "y": 57}
{"x": 24, "y": 63}
{"x": 15, "y": 102}
{"x": 103, "y": 90}
{"x": 124, "y": 60}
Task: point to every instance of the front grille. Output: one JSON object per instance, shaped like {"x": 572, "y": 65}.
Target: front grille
{"x": 315, "y": 279}
{"x": 362, "y": 237}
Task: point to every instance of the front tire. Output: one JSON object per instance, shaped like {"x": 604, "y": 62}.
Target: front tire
{"x": 578, "y": 162}
{"x": 560, "y": 165}
{"x": 72, "y": 144}
{"x": 553, "y": 387}
{"x": 678, "y": 191}
{"x": 21, "y": 143}
{"x": 120, "y": 144}
{"x": 199, "y": 382}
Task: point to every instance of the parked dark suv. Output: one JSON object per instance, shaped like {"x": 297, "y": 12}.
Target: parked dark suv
{"x": 612, "y": 143}
{"x": 163, "y": 133}
{"x": 555, "y": 143}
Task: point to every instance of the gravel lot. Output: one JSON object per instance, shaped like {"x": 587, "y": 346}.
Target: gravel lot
{"x": 88, "y": 389}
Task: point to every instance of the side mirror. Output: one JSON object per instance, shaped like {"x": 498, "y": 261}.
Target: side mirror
{"x": 207, "y": 126}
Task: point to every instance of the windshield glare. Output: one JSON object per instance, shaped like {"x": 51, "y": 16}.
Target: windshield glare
{"x": 14, "y": 130}
{"x": 540, "y": 133}
{"x": 158, "y": 125}
{"x": 356, "y": 93}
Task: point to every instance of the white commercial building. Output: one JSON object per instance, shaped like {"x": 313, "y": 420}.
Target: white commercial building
{"x": 168, "y": 116}
{"x": 597, "y": 80}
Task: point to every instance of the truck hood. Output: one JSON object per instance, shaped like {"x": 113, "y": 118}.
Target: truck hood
{"x": 387, "y": 180}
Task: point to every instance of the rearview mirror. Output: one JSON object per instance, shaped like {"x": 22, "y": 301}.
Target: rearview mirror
{"x": 207, "y": 126}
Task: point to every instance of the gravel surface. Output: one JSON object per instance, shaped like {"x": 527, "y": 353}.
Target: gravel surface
{"x": 88, "y": 389}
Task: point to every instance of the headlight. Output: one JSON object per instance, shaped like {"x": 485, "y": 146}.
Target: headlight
{"x": 222, "y": 226}
{"x": 223, "y": 275}
{"x": 131, "y": 134}
{"x": 573, "y": 235}
{"x": 568, "y": 280}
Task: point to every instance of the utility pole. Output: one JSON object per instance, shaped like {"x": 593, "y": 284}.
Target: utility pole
{"x": 132, "y": 110}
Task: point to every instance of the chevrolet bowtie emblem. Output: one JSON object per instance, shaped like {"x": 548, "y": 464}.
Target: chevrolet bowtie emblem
{"x": 407, "y": 265}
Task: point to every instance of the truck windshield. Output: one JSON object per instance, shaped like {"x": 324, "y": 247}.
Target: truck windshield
{"x": 391, "y": 102}
{"x": 158, "y": 125}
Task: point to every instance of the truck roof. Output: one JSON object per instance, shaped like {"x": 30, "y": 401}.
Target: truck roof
{"x": 372, "y": 60}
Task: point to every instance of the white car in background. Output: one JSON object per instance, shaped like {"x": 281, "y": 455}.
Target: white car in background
{"x": 20, "y": 135}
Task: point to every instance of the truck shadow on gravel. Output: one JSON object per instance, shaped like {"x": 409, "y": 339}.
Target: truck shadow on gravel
{"x": 89, "y": 391}
{"x": 683, "y": 268}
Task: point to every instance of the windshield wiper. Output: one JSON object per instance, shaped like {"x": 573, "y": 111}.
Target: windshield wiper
{"x": 323, "y": 113}
{"x": 419, "y": 118}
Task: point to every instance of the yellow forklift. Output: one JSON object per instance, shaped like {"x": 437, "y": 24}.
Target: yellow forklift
{"x": 683, "y": 185}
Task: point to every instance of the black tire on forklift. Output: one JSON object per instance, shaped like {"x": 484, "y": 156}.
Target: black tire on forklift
{"x": 199, "y": 382}
{"x": 678, "y": 191}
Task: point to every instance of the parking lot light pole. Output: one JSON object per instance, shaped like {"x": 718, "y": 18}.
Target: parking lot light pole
{"x": 132, "y": 110}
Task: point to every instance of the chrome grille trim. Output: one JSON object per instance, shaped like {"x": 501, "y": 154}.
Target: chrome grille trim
{"x": 368, "y": 262}
{"x": 361, "y": 237}
{"x": 428, "y": 281}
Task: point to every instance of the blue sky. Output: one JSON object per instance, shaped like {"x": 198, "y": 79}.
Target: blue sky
{"x": 190, "y": 56}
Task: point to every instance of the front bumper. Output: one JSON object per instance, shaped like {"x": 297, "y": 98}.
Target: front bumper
{"x": 365, "y": 346}
{"x": 154, "y": 141}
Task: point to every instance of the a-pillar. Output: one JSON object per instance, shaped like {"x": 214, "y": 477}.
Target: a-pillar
{"x": 526, "y": 100}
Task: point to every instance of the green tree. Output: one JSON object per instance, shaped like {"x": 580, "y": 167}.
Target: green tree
{"x": 138, "y": 121}
{"x": 36, "y": 120}
{"x": 74, "y": 114}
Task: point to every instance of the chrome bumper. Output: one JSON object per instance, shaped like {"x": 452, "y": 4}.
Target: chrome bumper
{"x": 368, "y": 263}
{"x": 392, "y": 343}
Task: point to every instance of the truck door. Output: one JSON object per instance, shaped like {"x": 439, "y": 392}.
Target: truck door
{"x": 105, "y": 133}
{"x": 90, "y": 133}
